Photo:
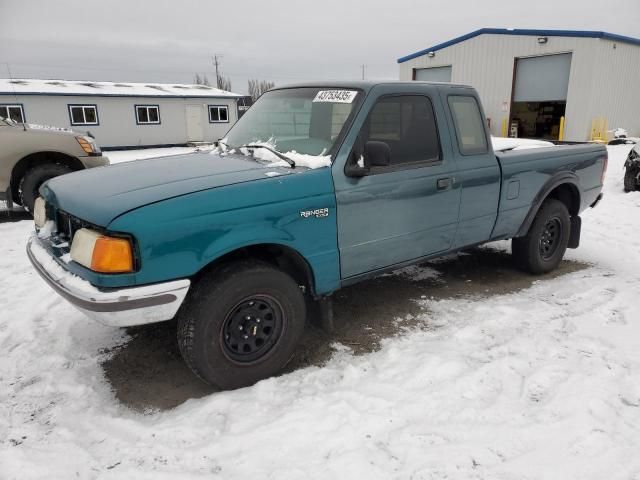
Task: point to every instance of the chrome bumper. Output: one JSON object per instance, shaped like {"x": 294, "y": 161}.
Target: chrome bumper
{"x": 119, "y": 307}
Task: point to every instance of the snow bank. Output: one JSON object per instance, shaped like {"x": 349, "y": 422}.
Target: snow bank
{"x": 539, "y": 384}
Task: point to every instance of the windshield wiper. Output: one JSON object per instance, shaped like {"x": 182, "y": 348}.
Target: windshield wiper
{"x": 275, "y": 152}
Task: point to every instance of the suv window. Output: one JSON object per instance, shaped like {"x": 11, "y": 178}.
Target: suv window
{"x": 470, "y": 131}
{"x": 407, "y": 124}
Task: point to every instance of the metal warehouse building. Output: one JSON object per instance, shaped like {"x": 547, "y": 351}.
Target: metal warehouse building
{"x": 531, "y": 81}
{"x": 124, "y": 114}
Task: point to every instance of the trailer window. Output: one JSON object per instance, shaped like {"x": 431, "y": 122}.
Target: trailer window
{"x": 12, "y": 112}
{"x": 83, "y": 114}
{"x": 470, "y": 132}
{"x": 218, "y": 114}
{"x": 147, "y": 114}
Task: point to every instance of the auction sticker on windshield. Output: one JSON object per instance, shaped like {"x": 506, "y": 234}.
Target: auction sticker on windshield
{"x": 335, "y": 96}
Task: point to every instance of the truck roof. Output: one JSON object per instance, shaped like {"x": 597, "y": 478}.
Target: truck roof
{"x": 365, "y": 85}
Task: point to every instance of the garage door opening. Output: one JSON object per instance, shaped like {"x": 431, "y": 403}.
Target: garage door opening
{"x": 540, "y": 96}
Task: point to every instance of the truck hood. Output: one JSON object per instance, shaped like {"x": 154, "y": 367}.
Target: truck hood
{"x": 99, "y": 195}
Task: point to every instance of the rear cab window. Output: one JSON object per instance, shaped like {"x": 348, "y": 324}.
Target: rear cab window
{"x": 469, "y": 126}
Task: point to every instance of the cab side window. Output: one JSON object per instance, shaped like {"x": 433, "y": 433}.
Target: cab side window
{"x": 470, "y": 132}
{"x": 407, "y": 124}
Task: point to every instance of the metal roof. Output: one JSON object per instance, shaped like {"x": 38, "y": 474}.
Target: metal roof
{"x": 515, "y": 31}
{"x": 32, "y": 86}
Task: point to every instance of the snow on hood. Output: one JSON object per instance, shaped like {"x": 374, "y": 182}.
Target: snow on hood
{"x": 501, "y": 143}
{"x": 301, "y": 159}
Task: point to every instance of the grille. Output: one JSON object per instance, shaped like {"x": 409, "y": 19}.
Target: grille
{"x": 67, "y": 225}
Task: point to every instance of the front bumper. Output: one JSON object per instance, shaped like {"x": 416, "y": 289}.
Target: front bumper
{"x": 119, "y": 307}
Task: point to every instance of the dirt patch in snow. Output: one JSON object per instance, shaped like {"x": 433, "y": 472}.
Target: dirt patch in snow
{"x": 148, "y": 371}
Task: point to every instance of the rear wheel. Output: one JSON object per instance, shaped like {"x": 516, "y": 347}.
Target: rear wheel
{"x": 34, "y": 178}
{"x": 631, "y": 179}
{"x": 241, "y": 324}
{"x": 542, "y": 248}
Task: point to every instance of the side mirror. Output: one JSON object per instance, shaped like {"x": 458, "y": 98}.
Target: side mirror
{"x": 377, "y": 154}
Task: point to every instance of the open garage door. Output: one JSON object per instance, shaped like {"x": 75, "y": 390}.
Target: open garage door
{"x": 434, "y": 74}
{"x": 540, "y": 95}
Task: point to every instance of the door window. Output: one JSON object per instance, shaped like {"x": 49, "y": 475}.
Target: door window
{"x": 407, "y": 124}
{"x": 472, "y": 139}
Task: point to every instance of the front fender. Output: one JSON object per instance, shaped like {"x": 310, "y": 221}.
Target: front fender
{"x": 178, "y": 237}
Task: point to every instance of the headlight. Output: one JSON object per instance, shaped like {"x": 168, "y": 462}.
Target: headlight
{"x": 101, "y": 253}
{"x": 40, "y": 212}
{"x": 88, "y": 144}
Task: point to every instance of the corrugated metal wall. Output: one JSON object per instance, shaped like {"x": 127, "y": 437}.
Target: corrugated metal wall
{"x": 600, "y": 83}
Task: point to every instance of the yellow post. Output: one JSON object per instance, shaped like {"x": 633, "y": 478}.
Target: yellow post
{"x": 561, "y": 132}
{"x": 504, "y": 127}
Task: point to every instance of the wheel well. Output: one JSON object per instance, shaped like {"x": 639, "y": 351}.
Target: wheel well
{"x": 280, "y": 256}
{"x": 568, "y": 194}
{"x": 39, "y": 158}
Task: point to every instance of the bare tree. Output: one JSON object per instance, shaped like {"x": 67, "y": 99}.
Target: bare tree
{"x": 224, "y": 83}
{"x": 258, "y": 87}
{"x": 201, "y": 80}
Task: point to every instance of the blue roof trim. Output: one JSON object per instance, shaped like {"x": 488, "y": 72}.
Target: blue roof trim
{"x": 515, "y": 31}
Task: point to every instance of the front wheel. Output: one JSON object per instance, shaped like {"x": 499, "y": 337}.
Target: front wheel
{"x": 542, "y": 248}
{"x": 241, "y": 324}
{"x": 34, "y": 178}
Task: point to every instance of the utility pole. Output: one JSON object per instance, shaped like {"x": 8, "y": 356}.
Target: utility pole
{"x": 362, "y": 70}
{"x": 216, "y": 62}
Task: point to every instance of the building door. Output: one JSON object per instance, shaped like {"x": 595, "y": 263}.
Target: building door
{"x": 540, "y": 95}
{"x": 193, "y": 115}
{"x": 433, "y": 74}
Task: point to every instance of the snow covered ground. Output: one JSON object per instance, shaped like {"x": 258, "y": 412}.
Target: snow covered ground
{"x": 543, "y": 383}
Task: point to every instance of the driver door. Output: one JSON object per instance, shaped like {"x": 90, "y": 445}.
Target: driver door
{"x": 408, "y": 209}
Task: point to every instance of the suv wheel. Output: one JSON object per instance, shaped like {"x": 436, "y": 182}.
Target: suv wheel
{"x": 34, "y": 178}
{"x": 241, "y": 324}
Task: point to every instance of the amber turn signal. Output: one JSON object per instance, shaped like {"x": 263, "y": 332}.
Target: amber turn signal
{"x": 112, "y": 255}
{"x": 86, "y": 145}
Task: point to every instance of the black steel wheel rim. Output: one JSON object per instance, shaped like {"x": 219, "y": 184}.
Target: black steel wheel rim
{"x": 550, "y": 238}
{"x": 252, "y": 327}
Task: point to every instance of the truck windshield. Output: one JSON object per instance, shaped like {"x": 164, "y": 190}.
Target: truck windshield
{"x": 302, "y": 120}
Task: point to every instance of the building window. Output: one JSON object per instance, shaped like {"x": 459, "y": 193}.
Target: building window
{"x": 83, "y": 114}
{"x": 218, "y": 114}
{"x": 13, "y": 112}
{"x": 147, "y": 114}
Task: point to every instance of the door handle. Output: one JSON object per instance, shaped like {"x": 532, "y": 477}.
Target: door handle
{"x": 444, "y": 183}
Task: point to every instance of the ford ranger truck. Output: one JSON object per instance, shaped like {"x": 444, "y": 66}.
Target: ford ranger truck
{"x": 32, "y": 154}
{"x": 318, "y": 186}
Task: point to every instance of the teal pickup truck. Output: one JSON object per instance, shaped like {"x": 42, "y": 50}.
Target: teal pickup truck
{"x": 316, "y": 187}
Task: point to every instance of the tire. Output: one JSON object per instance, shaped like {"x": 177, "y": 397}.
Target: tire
{"x": 630, "y": 179}
{"x": 227, "y": 314}
{"x": 34, "y": 178}
{"x": 542, "y": 248}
